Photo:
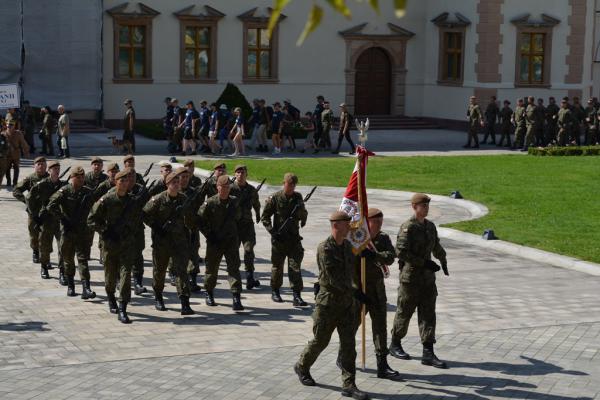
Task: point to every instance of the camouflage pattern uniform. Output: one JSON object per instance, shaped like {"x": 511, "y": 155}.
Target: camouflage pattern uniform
{"x": 532, "y": 123}
{"x": 19, "y": 193}
{"x": 248, "y": 198}
{"x": 475, "y": 118}
{"x": 506, "y": 116}
{"x": 520, "y": 127}
{"x": 551, "y": 122}
{"x": 565, "y": 123}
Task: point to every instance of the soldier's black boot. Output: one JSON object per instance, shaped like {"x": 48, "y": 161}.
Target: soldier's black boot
{"x": 276, "y": 297}
{"x": 298, "y": 302}
{"x": 185, "y": 306}
{"x": 429, "y": 357}
{"x": 44, "y": 271}
{"x": 159, "y": 304}
{"x": 194, "y": 282}
{"x": 123, "y": 313}
{"x": 210, "y": 299}
{"x": 355, "y": 393}
{"x": 61, "y": 276}
{"x": 139, "y": 288}
{"x": 112, "y": 303}
{"x": 384, "y": 370}
{"x": 304, "y": 377}
{"x": 250, "y": 281}
{"x": 35, "y": 257}
{"x": 237, "y": 302}
{"x": 71, "y": 286}
{"x": 86, "y": 292}
{"x": 397, "y": 351}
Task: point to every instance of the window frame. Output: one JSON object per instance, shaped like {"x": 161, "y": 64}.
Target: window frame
{"x": 194, "y": 22}
{"x": 273, "y": 56}
{"x": 547, "y": 64}
{"x": 122, "y": 21}
{"x": 442, "y": 53}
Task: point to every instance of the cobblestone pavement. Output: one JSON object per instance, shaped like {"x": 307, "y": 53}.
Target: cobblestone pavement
{"x": 508, "y": 328}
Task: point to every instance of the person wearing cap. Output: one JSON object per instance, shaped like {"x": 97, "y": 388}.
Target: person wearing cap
{"x": 283, "y": 215}
{"x": 16, "y": 145}
{"x": 168, "y": 119}
{"x": 491, "y": 116}
{"x": 176, "y": 142}
{"x": 518, "y": 121}
{"x": 531, "y": 122}
{"x": 96, "y": 176}
{"x": 49, "y": 229}
{"x": 64, "y": 129}
{"x": 592, "y": 122}
{"x": 335, "y": 307}
{"x": 110, "y": 218}
{"x": 129, "y": 126}
{"x": 112, "y": 169}
{"x": 578, "y": 117}
{"x": 210, "y": 189}
{"x": 71, "y": 204}
{"x": 506, "y": 114}
{"x": 276, "y": 127}
{"x": 247, "y": 196}
{"x": 47, "y": 131}
{"x": 213, "y": 129}
{"x": 204, "y": 126}
{"x": 165, "y": 214}
{"x": 195, "y": 181}
{"x": 129, "y": 162}
{"x": 344, "y": 130}
{"x": 551, "y": 115}
{"x": 565, "y": 122}
{"x": 253, "y": 123}
{"x": 327, "y": 122}
{"x": 417, "y": 241}
{"x": 541, "y": 120}
{"x": 189, "y": 124}
{"x": 39, "y": 173}
{"x": 160, "y": 186}
{"x": 217, "y": 220}
{"x": 316, "y": 119}
{"x": 475, "y": 118}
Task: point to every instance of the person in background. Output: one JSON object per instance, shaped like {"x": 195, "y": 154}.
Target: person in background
{"x": 237, "y": 132}
{"x": 47, "y": 131}
{"x": 309, "y": 128}
{"x": 64, "y": 128}
{"x": 276, "y": 128}
{"x": 129, "y": 124}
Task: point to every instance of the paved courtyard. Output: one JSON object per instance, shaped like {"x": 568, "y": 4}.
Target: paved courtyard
{"x": 508, "y": 327}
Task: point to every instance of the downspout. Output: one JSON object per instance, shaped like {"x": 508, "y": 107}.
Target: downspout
{"x": 101, "y": 111}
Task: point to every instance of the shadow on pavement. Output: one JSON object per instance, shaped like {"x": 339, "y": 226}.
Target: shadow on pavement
{"x": 535, "y": 367}
{"x": 24, "y": 326}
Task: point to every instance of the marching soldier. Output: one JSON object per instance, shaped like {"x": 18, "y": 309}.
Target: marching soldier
{"x": 16, "y": 146}
{"x": 578, "y": 113}
{"x": 112, "y": 170}
{"x": 4, "y": 150}
{"x": 475, "y": 122}
{"x": 335, "y": 307}
{"x": 286, "y": 207}
{"x": 564, "y": 122}
{"x": 129, "y": 162}
{"x": 160, "y": 186}
{"x": 592, "y": 122}
{"x": 211, "y": 186}
{"x": 129, "y": 124}
{"x": 531, "y": 121}
{"x": 520, "y": 125}
{"x": 195, "y": 181}
{"x": 39, "y": 165}
{"x": 37, "y": 200}
{"x": 164, "y": 214}
{"x": 71, "y": 205}
{"x": 110, "y": 218}
{"x": 248, "y": 200}
{"x": 551, "y": 120}
{"x": 47, "y": 131}
{"x": 140, "y": 195}
{"x": 417, "y": 240}
{"x": 491, "y": 115}
{"x": 506, "y": 115}
{"x": 218, "y": 221}
{"x": 95, "y": 176}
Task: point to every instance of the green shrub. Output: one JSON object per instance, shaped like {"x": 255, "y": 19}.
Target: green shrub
{"x": 152, "y": 130}
{"x": 233, "y": 97}
{"x": 565, "y": 151}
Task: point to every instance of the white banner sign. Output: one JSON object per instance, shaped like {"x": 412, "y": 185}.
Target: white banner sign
{"x": 9, "y": 96}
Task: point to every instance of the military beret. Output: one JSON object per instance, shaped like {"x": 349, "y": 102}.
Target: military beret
{"x": 223, "y": 180}
{"x": 290, "y": 177}
{"x": 171, "y": 176}
{"x": 128, "y": 157}
{"x": 339, "y": 216}
{"x": 127, "y": 101}
{"x": 39, "y": 159}
{"x": 182, "y": 170}
{"x": 96, "y": 160}
{"x": 240, "y": 166}
{"x": 374, "y": 213}
{"x": 112, "y": 167}
{"x": 123, "y": 174}
{"x": 419, "y": 198}
{"x": 53, "y": 164}
{"x": 166, "y": 165}
{"x": 220, "y": 165}
{"x": 76, "y": 171}
{"x": 343, "y": 105}
{"x": 188, "y": 163}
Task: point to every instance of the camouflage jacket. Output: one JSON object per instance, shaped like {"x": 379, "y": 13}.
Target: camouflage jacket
{"x": 336, "y": 273}
{"x": 327, "y": 119}
{"x": 111, "y": 218}
{"x": 195, "y": 181}
{"x": 506, "y": 115}
{"x": 217, "y": 220}
{"x": 519, "y": 117}
{"x": 39, "y": 195}
{"x": 103, "y": 188}
{"x": 531, "y": 115}
{"x": 248, "y": 201}
{"x": 384, "y": 255}
{"x": 552, "y": 114}
{"x": 565, "y": 119}
{"x": 165, "y": 215}
{"x": 210, "y": 189}
{"x": 415, "y": 244}
{"x": 26, "y": 184}
{"x": 591, "y": 117}
{"x": 72, "y": 207}
{"x": 474, "y": 115}
{"x": 280, "y": 207}
{"x": 93, "y": 180}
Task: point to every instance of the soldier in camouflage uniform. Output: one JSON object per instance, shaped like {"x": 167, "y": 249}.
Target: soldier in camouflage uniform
{"x": 164, "y": 214}
{"x": 475, "y": 122}
{"x": 417, "y": 240}
{"x": 135, "y": 258}
{"x": 541, "y": 119}
{"x": 71, "y": 205}
{"x": 4, "y": 149}
{"x": 531, "y": 121}
{"x": 194, "y": 180}
{"x": 592, "y": 122}
{"x": 129, "y": 162}
{"x": 39, "y": 165}
{"x": 578, "y": 113}
{"x": 110, "y": 218}
{"x": 104, "y": 187}
{"x": 564, "y": 122}
{"x": 218, "y": 220}
{"x": 520, "y": 125}
{"x": 335, "y": 307}
{"x": 248, "y": 198}
{"x": 506, "y": 115}
{"x": 92, "y": 180}
{"x": 37, "y": 200}
{"x": 211, "y": 186}
{"x": 282, "y": 214}
{"x": 491, "y": 115}
{"x": 161, "y": 185}
{"x": 551, "y": 121}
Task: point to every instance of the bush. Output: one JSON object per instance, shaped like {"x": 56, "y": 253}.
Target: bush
{"x": 233, "y": 97}
{"x": 152, "y": 130}
{"x": 565, "y": 151}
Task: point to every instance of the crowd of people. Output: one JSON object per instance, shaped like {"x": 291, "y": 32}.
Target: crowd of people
{"x": 534, "y": 124}
{"x": 215, "y": 129}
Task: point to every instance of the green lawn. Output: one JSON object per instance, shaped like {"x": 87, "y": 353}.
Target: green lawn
{"x": 551, "y": 203}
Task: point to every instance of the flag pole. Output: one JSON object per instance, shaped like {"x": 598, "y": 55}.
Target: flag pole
{"x": 363, "y": 262}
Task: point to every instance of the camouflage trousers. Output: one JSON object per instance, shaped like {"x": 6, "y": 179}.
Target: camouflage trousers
{"x": 377, "y": 310}
{"x": 137, "y": 259}
{"x": 592, "y": 136}
{"x": 193, "y": 266}
{"x": 117, "y": 268}
{"x": 563, "y": 136}
{"x": 214, "y": 255}
{"x": 472, "y": 135}
{"x": 247, "y": 236}
{"x": 422, "y": 298}
{"x": 161, "y": 254}
{"x": 504, "y": 134}
{"x": 49, "y": 231}
{"x": 74, "y": 244}
{"x": 327, "y": 318}
{"x": 519, "y": 136}
{"x": 550, "y": 133}
{"x": 293, "y": 251}
{"x": 530, "y": 135}
{"x": 34, "y": 234}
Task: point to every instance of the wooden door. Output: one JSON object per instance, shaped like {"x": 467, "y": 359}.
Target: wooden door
{"x": 373, "y": 83}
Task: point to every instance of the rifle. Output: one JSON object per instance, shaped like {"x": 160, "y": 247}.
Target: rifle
{"x": 64, "y": 173}
{"x": 260, "y": 185}
{"x": 114, "y": 233}
{"x": 148, "y": 170}
{"x": 291, "y": 216}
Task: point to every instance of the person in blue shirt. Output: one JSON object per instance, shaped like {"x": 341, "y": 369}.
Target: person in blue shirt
{"x": 225, "y": 124}
{"x": 189, "y": 125}
{"x": 204, "y": 127}
{"x": 276, "y": 128}
{"x": 237, "y": 132}
{"x": 213, "y": 129}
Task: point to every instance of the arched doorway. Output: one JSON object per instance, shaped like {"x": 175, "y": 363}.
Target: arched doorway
{"x": 373, "y": 83}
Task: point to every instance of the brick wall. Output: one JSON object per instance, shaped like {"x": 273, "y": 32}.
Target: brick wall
{"x": 489, "y": 58}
